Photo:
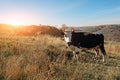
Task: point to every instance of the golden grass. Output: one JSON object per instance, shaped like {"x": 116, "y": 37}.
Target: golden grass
{"x": 113, "y": 47}
{"x": 45, "y": 58}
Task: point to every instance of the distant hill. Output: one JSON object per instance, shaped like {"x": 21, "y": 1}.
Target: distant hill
{"x": 32, "y": 30}
{"x": 111, "y": 32}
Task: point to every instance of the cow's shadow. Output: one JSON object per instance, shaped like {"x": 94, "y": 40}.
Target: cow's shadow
{"x": 87, "y": 56}
{"x": 113, "y": 61}
{"x": 84, "y": 56}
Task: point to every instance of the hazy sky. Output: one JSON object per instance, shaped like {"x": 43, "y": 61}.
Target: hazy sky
{"x": 58, "y": 12}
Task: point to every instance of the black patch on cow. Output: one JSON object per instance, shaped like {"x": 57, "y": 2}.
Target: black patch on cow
{"x": 86, "y": 40}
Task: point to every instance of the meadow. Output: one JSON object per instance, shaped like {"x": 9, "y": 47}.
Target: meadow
{"x": 45, "y": 57}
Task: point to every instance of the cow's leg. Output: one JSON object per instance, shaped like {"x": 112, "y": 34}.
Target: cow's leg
{"x": 97, "y": 52}
{"x": 76, "y": 53}
{"x": 103, "y": 52}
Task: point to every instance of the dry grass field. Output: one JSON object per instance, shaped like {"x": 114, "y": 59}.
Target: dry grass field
{"x": 45, "y": 58}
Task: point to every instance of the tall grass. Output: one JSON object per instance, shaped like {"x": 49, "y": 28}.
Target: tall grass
{"x": 113, "y": 47}
{"x": 45, "y": 58}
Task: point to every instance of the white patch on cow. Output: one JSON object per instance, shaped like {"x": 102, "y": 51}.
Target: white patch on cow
{"x": 67, "y": 36}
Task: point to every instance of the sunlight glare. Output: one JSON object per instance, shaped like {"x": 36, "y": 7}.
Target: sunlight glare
{"x": 19, "y": 19}
{"x": 16, "y": 22}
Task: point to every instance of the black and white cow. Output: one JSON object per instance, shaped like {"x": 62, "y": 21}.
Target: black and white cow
{"x": 77, "y": 40}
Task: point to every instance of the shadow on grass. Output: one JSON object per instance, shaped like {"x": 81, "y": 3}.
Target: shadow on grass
{"x": 113, "y": 61}
{"x": 89, "y": 57}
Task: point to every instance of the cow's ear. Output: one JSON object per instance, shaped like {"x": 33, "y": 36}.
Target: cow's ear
{"x": 62, "y": 32}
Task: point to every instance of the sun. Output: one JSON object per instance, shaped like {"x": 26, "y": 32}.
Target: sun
{"x": 16, "y": 22}
{"x": 19, "y": 19}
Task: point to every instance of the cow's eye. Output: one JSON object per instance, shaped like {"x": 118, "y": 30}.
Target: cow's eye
{"x": 65, "y": 35}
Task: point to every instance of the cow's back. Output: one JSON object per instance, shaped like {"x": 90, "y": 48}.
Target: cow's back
{"x": 87, "y": 40}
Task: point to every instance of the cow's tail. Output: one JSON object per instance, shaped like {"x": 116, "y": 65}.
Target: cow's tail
{"x": 102, "y": 47}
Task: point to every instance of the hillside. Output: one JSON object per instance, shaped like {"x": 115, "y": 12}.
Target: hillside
{"x": 31, "y": 30}
{"x": 111, "y": 32}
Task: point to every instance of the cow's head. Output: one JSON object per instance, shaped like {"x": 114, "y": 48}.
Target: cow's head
{"x": 68, "y": 37}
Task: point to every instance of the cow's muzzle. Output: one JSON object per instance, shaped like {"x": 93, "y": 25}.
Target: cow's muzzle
{"x": 69, "y": 43}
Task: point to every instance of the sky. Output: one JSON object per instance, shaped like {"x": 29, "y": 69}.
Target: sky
{"x": 57, "y": 12}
